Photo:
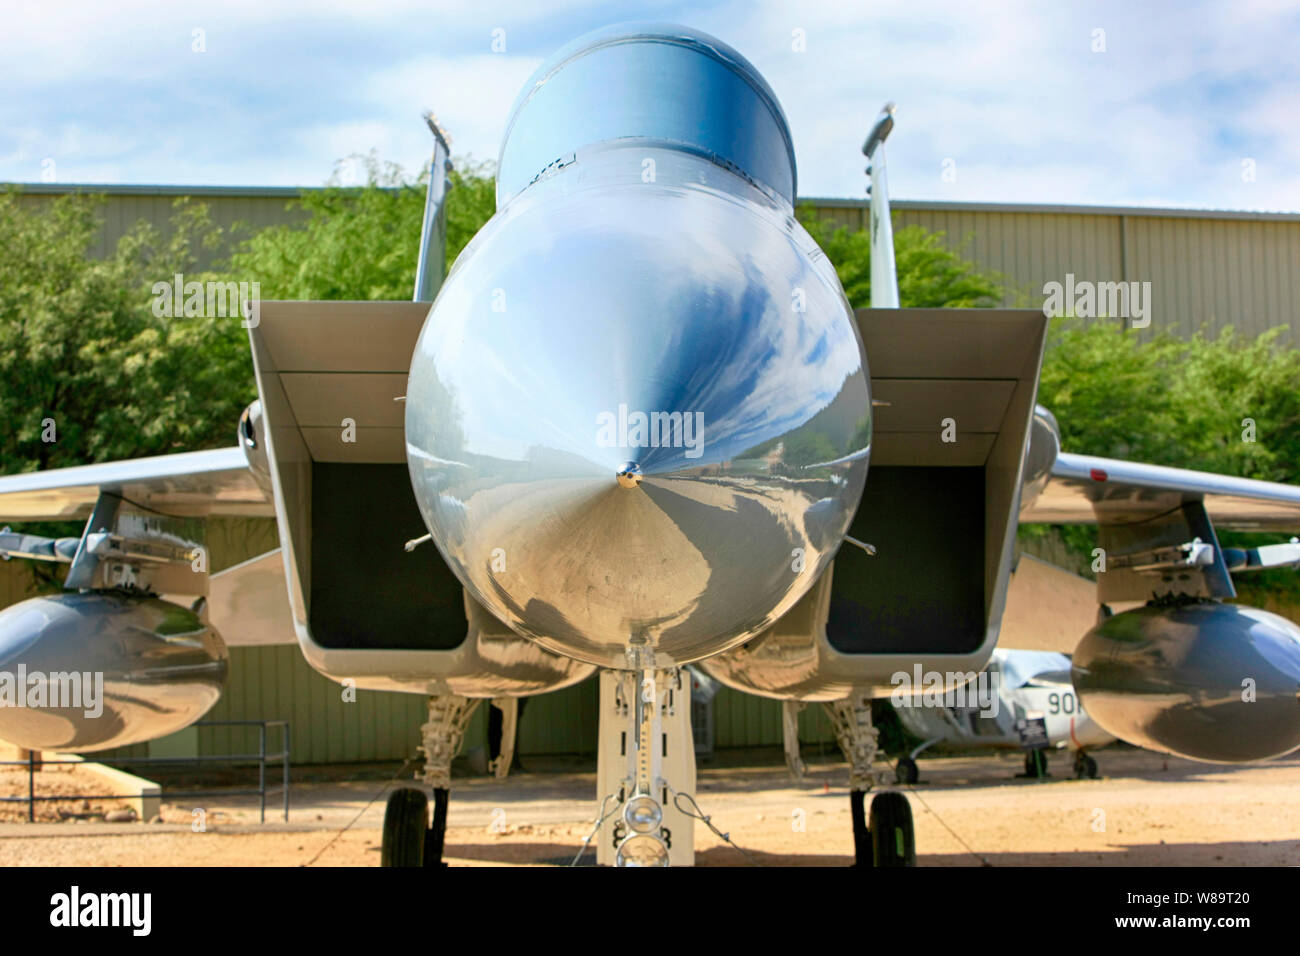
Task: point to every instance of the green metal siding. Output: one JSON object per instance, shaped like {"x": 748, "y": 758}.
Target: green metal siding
{"x": 239, "y": 216}
{"x": 270, "y": 683}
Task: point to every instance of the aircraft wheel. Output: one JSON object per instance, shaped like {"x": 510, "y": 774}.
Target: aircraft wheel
{"x": 406, "y": 821}
{"x": 892, "y": 837}
{"x": 1084, "y": 766}
{"x": 905, "y": 771}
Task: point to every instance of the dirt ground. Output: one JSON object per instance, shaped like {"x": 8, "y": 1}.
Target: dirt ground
{"x": 55, "y": 780}
{"x": 1144, "y": 810}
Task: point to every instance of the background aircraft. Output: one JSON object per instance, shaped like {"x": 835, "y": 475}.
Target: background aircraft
{"x": 1031, "y": 686}
{"x": 635, "y": 425}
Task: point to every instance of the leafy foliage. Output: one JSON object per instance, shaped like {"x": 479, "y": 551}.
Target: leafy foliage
{"x": 80, "y": 344}
{"x": 1178, "y": 402}
{"x": 930, "y": 275}
{"x": 1186, "y": 403}
{"x": 362, "y": 243}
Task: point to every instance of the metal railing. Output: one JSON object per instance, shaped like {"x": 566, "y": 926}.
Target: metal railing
{"x": 262, "y": 758}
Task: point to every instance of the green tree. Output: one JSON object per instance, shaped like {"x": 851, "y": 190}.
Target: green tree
{"x": 88, "y": 371}
{"x": 362, "y": 243}
{"x": 1178, "y": 402}
{"x": 930, "y": 275}
{"x": 1186, "y": 403}
{"x": 83, "y": 358}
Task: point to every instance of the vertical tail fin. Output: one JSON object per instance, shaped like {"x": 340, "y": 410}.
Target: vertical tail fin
{"x": 433, "y": 235}
{"x": 884, "y": 272}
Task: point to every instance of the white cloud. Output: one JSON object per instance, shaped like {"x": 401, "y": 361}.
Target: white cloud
{"x": 1010, "y": 91}
{"x": 471, "y": 96}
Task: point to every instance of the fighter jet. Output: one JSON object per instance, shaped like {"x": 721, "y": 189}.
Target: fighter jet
{"x": 633, "y": 433}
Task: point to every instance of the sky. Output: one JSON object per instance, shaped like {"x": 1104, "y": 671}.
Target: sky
{"x": 1191, "y": 104}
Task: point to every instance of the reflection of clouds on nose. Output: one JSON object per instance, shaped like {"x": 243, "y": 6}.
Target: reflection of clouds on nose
{"x": 665, "y": 298}
{"x": 762, "y": 393}
{"x": 746, "y": 359}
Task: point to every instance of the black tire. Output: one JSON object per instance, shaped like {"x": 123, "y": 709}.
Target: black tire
{"x": 1090, "y": 767}
{"x": 406, "y": 821}
{"x": 893, "y": 839}
{"x": 906, "y": 770}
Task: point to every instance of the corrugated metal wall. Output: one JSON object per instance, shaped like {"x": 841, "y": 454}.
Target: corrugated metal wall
{"x": 240, "y": 212}
{"x": 1205, "y": 268}
{"x": 269, "y": 683}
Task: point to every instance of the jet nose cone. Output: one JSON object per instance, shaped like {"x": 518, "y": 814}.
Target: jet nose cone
{"x": 714, "y": 370}
{"x": 629, "y": 476}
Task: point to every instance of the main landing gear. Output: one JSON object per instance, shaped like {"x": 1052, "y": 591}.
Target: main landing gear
{"x": 884, "y": 837}
{"x": 1084, "y": 766}
{"x": 410, "y": 837}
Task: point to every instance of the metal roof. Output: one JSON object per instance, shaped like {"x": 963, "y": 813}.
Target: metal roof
{"x": 1163, "y": 212}
{"x": 117, "y": 189}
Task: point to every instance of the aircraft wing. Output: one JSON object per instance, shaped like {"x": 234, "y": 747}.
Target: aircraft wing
{"x": 201, "y": 483}
{"x": 1087, "y": 490}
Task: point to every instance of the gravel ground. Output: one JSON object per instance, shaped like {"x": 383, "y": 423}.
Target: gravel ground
{"x": 54, "y": 780}
{"x": 1145, "y": 810}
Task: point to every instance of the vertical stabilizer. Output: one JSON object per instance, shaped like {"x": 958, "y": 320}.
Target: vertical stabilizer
{"x": 432, "y": 265}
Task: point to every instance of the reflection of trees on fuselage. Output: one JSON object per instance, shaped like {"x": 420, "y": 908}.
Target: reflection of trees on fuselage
{"x": 448, "y": 431}
{"x": 837, "y": 430}
{"x": 808, "y": 448}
